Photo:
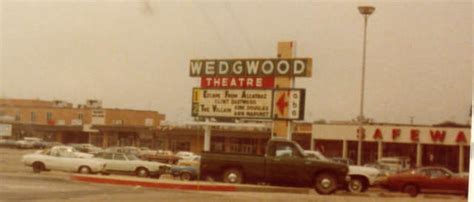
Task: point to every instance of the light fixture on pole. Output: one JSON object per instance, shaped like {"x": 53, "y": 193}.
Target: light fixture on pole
{"x": 366, "y": 11}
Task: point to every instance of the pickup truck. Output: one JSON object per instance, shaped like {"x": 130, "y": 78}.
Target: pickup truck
{"x": 284, "y": 163}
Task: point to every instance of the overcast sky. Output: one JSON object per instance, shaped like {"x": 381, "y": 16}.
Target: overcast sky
{"x": 135, "y": 54}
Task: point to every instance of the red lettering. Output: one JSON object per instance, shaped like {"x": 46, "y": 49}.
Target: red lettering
{"x": 461, "y": 137}
{"x": 415, "y": 135}
{"x": 360, "y": 131}
{"x": 437, "y": 135}
{"x": 238, "y": 82}
{"x": 378, "y": 134}
{"x": 396, "y": 133}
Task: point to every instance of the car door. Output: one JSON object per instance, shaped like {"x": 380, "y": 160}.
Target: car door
{"x": 120, "y": 163}
{"x": 285, "y": 165}
{"x": 440, "y": 180}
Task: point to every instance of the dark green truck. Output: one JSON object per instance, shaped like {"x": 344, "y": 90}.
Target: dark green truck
{"x": 283, "y": 164}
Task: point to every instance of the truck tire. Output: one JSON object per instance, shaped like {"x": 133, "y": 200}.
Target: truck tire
{"x": 233, "y": 176}
{"x": 357, "y": 185}
{"x": 325, "y": 183}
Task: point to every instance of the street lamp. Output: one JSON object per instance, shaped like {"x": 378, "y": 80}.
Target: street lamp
{"x": 365, "y": 11}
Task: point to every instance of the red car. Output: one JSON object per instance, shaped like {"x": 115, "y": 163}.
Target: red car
{"x": 427, "y": 179}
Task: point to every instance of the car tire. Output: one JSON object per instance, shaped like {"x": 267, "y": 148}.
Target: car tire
{"x": 38, "y": 167}
{"x": 186, "y": 176}
{"x": 411, "y": 190}
{"x": 233, "y": 176}
{"x": 356, "y": 185}
{"x": 142, "y": 172}
{"x": 325, "y": 183}
{"x": 157, "y": 176}
{"x": 84, "y": 170}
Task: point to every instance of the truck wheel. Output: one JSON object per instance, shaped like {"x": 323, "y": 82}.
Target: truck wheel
{"x": 233, "y": 176}
{"x": 38, "y": 167}
{"x": 325, "y": 183}
{"x": 356, "y": 185}
{"x": 411, "y": 190}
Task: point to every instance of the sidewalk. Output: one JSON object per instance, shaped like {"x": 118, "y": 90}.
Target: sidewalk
{"x": 183, "y": 185}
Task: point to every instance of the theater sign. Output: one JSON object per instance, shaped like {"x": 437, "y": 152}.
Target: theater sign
{"x": 248, "y": 103}
{"x": 295, "y": 67}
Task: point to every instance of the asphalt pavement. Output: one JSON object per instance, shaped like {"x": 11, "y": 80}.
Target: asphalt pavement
{"x": 19, "y": 183}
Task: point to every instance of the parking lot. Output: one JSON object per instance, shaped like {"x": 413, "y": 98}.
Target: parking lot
{"x": 20, "y": 183}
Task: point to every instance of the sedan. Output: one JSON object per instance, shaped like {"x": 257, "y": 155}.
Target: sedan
{"x": 121, "y": 163}
{"x": 427, "y": 179}
{"x": 62, "y": 159}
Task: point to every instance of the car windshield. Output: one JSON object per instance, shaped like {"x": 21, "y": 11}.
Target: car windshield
{"x": 132, "y": 157}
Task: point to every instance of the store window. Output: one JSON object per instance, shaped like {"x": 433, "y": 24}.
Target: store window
{"x": 80, "y": 116}
{"x": 441, "y": 155}
{"x": 17, "y": 116}
{"x": 466, "y": 150}
{"x": 49, "y": 116}
{"x": 217, "y": 144}
{"x": 330, "y": 148}
{"x": 243, "y": 145}
{"x": 33, "y": 116}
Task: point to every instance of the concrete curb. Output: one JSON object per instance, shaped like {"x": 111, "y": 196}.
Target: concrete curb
{"x": 181, "y": 185}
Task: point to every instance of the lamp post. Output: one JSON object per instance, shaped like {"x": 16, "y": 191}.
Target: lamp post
{"x": 366, "y": 11}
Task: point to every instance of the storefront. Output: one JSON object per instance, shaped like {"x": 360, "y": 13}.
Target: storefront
{"x": 424, "y": 145}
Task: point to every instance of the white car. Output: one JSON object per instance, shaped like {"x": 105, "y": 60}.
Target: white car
{"x": 361, "y": 177}
{"x": 121, "y": 163}
{"x": 62, "y": 159}
{"x": 185, "y": 155}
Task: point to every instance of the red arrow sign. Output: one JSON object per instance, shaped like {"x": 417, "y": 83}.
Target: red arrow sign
{"x": 281, "y": 103}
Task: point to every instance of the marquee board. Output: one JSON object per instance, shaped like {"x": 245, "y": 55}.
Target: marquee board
{"x": 249, "y": 103}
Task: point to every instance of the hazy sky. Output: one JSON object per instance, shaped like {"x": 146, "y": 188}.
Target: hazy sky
{"x": 135, "y": 54}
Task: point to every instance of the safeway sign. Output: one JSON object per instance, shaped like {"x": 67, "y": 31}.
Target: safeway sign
{"x": 249, "y": 103}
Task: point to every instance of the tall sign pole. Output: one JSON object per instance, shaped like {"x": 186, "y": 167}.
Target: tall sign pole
{"x": 281, "y": 128}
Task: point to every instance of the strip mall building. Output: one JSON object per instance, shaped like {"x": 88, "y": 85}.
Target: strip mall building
{"x": 446, "y": 145}
{"x": 424, "y": 145}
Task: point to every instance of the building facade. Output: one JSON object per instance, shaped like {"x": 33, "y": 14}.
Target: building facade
{"x": 86, "y": 123}
{"x": 424, "y": 145}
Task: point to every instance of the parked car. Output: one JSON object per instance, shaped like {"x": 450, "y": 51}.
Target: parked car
{"x": 185, "y": 155}
{"x": 70, "y": 149}
{"x": 145, "y": 151}
{"x": 343, "y": 160}
{"x": 62, "y": 158}
{"x": 186, "y": 173}
{"x": 28, "y": 143}
{"x": 7, "y": 143}
{"x": 361, "y": 177}
{"x": 427, "y": 179}
{"x": 193, "y": 161}
{"x": 384, "y": 169}
{"x": 87, "y": 148}
{"x": 283, "y": 164}
{"x": 122, "y": 163}
{"x": 398, "y": 163}
{"x": 126, "y": 149}
{"x": 161, "y": 156}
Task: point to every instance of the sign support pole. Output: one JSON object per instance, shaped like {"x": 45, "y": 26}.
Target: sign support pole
{"x": 282, "y": 127}
{"x": 207, "y": 137}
